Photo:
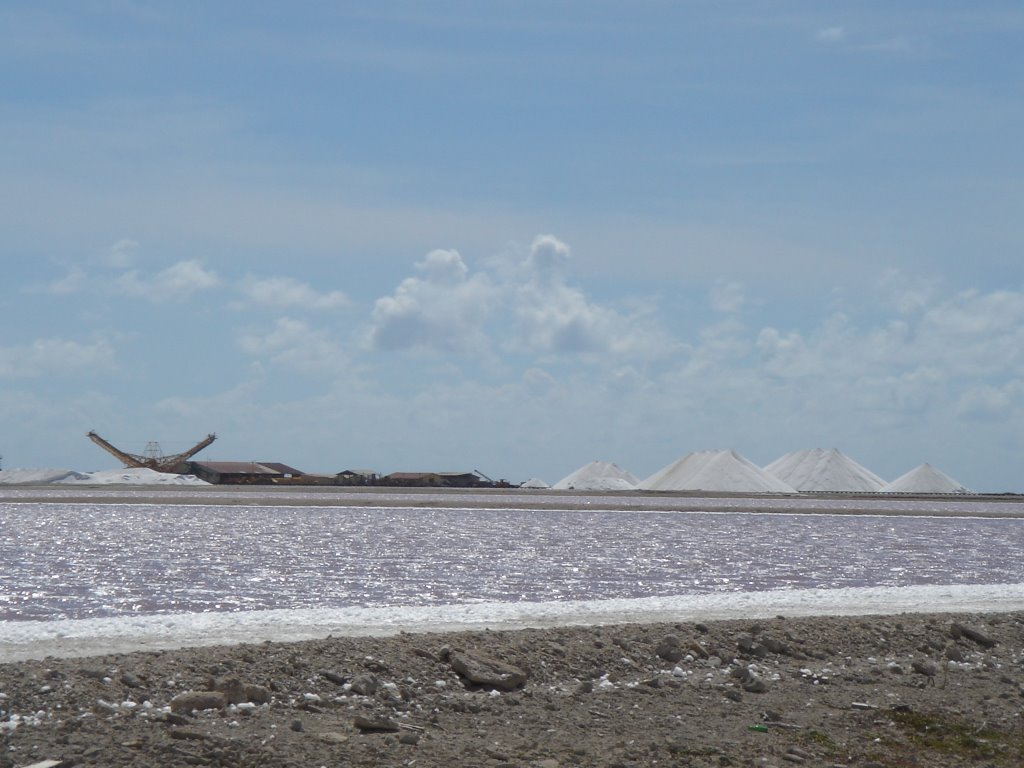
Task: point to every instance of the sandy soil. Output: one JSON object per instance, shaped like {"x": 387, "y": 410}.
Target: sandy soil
{"x": 907, "y": 690}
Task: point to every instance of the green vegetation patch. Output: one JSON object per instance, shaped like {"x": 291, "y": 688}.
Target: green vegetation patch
{"x": 949, "y": 735}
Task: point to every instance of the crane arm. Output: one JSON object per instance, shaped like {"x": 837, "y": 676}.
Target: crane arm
{"x": 159, "y": 463}
{"x": 186, "y": 455}
{"x": 128, "y": 459}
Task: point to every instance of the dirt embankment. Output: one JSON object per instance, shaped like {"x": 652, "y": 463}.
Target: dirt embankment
{"x": 909, "y": 690}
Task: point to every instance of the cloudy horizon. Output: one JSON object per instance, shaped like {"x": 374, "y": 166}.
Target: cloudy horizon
{"x": 514, "y": 239}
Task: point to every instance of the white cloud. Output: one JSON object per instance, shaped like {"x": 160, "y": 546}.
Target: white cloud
{"x": 787, "y": 355}
{"x": 121, "y": 254}
{"x": 898, "y": 44}
{"x": 443, "y": 310}
{"x": 177, "y": 282}
{"x": 909, "y": 296}
{"x": 831, "y": 34}
{"x": 286, "y": 292}
{"x": 442, "y": 266}
{"x": 548, "y": 260}
{"x": 727, "y": 297}
{"x": 54, "y": 357}
{"x": 985, "y": 402}
{"x": 556, "y": 318}
{"x": 526, "y": 307}
{"x": 297, "y": 346}
{"x": 74, "y": 281}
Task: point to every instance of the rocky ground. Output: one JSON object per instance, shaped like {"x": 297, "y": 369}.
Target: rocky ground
{"x": 908, "y": 690}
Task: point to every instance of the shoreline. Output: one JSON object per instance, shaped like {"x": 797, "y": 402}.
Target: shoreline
{"x": 27, "y": 640}
{"x": 881, "y": 690}
{"x": 996, "y": 506}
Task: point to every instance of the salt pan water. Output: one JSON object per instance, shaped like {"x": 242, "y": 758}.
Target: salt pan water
{"x": 80, "y": 560}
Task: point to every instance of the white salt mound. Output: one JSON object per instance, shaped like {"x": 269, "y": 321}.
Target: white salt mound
{"x": 107, "y": 477}
{"x": 534, "y": 482}
{"x": 714, "y": 471}
{"x": 598, "y": 476}
{"x": 36, "y": 476}
{"x": 608, "y": 484}
{"x": 925, "y": 479}
{"x": 134, "y": 476}
{"x": 824, "y": 469}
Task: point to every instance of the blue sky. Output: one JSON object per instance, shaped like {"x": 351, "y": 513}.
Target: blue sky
{"x": 514, "y": 236}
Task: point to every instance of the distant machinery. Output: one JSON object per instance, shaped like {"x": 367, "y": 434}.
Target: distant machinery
{"x": 153, "y": 458}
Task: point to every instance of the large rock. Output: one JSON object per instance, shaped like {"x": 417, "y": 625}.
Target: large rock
{"x": 375, "y": 724}
{"x": 365, "y": 684}
{"x": 185, "y": 703}
{"x": 670, "y": 649}
{"x": 233, "y": 690}
{"x": 960, "y": 630}
{"x": 490, "y": 673}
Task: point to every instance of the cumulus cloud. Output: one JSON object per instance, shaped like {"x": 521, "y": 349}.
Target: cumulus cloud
{"x": 443, "y": 309}
{"x": 54, "y": 357}
{"x": 554, "y": 317}
{"x": 916, "y": 364}
{"x": 939, "y": 359}
{"x": 548, "y": 260}
{"x": 296, "y": 345}
{"x": 177, "y": 282}
{"x": 286, "y": 292}
{"x": 524, "y": 306}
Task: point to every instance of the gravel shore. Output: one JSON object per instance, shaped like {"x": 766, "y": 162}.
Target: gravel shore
{"x": 906, "y": 690}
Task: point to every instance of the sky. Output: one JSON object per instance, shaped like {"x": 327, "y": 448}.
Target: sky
{"x": 514, "y": 237}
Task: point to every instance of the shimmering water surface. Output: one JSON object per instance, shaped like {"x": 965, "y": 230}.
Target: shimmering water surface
{"x": 63, "y": 560}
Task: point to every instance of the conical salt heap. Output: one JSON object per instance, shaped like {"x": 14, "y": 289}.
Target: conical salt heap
{"x": 598, "y": 476}
{"x": 824, "y": 469}
{"x": 724, "y": 471}
{"x": 925, "y": 479}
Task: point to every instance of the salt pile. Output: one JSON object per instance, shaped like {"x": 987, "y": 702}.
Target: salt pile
{"x": 925, "y": 479}
{"x": 134, "y": 476}
{"x": 824, "y": 469}
{"x": 534, "y": 482}
{"x": 36, "y": 476}
{"x": 722, "y": 470}
{"x": 140, "y": 476}
{"x": 598, "y": 476}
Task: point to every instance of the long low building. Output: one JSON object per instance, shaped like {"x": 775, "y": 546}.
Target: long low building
{"x": 435, "y": 479}
{"x": 243, "y": 472}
